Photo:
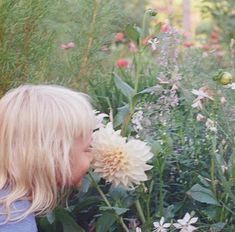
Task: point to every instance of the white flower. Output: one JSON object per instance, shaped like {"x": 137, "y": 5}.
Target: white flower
{"x": 136, "y": 120}
{"x": 185, "y": 223}
{"x": 223, "y": 100}
{"x": 138, "y": 229}
{"x": 153, "y": 42}
{"x": 161, "y": 226}
{"x": 197, "y": 104}
{"x": 211, "y": 125}
{"x": 231, "y": 86}
{"x": 119, "y": 161}
{"x": 202, "y": 93}
{"x": 200, "y": 118}
{"x": 99, "y": 117}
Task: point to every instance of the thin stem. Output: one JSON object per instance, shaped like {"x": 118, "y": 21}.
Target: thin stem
{"x": 212, "y": 169}
{"x": 149, "y": 199}
{"x": 119, "y": 218}
{"x": 140, "y": 211}
{"x": 161, "y": 197}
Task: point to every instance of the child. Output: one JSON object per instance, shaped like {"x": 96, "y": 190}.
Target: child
{"x": 45, "y": 133}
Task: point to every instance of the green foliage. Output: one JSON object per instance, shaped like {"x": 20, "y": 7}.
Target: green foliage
{"x": 24, "y": 42}
{"x": 32, "y": 33}
{"x": 222, "y": 13}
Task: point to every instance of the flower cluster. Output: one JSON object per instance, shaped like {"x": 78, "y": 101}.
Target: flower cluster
{"x": 184, "y": 225}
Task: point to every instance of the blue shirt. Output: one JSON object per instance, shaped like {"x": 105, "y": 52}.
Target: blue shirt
{"x": 26, "y": 225}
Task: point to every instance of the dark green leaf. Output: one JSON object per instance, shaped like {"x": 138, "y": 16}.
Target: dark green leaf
{"x": 117, "y": 210}
{"x": 204, "y": 195}
{"x": 126, "y": 89}
{"x": 105, "y": 221}
{"x": 122, "y": 113}
{"x": 132, "y": 33}
{"x": 69, "y": 224}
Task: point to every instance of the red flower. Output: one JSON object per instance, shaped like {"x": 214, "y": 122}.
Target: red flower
{"x": 119, "y": 37}
{"x": 188, "y": 44}
{"x": 122, "y": 63}
{"x": 165, "y": 28}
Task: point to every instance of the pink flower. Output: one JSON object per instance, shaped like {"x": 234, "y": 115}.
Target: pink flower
{"x": 132, "y": 47}
{"x": 165, "y": 28}
{"x": 67, "y": 45}
{"x": 122, "y": 63}
{"x": 119, "y": 37}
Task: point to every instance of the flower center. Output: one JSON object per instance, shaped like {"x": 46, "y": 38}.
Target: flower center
{"x": 114, "y": 161}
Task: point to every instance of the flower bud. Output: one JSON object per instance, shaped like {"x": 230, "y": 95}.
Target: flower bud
{"x": 152, "y": 12}
{"x": 226, "y": 78}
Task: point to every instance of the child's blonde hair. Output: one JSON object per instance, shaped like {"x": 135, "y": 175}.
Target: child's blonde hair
{"x": 38, "y": 125}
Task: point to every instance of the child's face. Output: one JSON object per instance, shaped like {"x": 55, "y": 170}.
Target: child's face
{"x": 81, "y": 157}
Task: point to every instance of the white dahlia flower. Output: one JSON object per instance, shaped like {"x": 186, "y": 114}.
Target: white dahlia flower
{"x": 117, "y": 160}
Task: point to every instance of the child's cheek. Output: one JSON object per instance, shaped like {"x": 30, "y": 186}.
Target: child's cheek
{"x": 82, "y": 168}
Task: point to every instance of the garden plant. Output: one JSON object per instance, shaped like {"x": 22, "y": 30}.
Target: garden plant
{"x": 164, "y": 144}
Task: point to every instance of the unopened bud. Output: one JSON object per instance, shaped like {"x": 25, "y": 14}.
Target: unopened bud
{"x": 152, "y": 12}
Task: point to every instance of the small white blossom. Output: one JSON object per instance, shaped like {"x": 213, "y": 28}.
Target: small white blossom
{"x": 136, "y": 120}
{"x": 223, "y": 100}
{"x": 202, "y": 93}
{"x": 200, "y": 118}
{"x": 99, "y": 117}
{"x": 153, "y": 42}
{"x": 138, "y": 229}
{"x": 211, "y": 125}
{"x": 161, "y": 226}
{"x": 185, "y": 224}
{"x": 231, "y": 86}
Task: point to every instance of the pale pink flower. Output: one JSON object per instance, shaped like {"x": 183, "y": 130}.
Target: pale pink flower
{"x": 132, "y": 47}
{"x": 67, "y": 45}
{"x": 185, "y": 224}
{"x": 153, "y": 42}
{"x": 117, "y": 160}
{"x": 161, "y": 226}
{"x": 202, "y": 93}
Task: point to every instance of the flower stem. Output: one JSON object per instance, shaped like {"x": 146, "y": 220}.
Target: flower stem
{"x": 140, "y": 211}
{"x": 119, "y": 218}
{"x": 161, "y": 196}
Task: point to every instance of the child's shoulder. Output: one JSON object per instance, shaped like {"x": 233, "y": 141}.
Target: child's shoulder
{"x": 26, "y": 225}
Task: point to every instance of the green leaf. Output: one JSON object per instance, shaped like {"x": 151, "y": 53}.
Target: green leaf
{"x": 87, "y": 202}
{"x": 132, "y": 33}
{"x": 158, "y": 28}
{"x": 69, "y": 224}
{"x": 204, "y": 195}
{"x": 126, "y": 89}
{"x": 118, "y": 211}
{"x": 218, "y": 226}
{"x": 157, "y": 90}
{"x": 156, "y": 147}
{"x": 121, "y": 114}
{"x": 105, "y": 221}
{"x": 50, "y": 217}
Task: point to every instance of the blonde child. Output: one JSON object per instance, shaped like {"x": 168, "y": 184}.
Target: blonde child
{"x": 45, "y": 133}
